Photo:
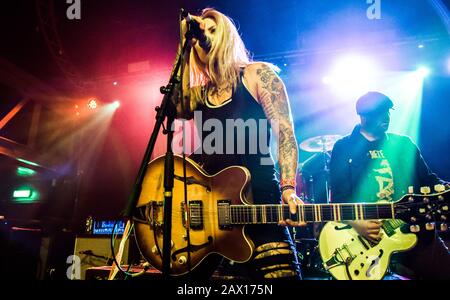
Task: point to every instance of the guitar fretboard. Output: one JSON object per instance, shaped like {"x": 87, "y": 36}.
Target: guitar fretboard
{"x": 272, "y": 214}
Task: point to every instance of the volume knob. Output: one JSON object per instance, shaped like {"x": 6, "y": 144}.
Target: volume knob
{"x": 182, "y": 260}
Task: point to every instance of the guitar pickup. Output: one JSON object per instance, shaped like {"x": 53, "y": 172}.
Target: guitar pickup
{"x": 224, "y": 214}
{"x": 196, "y": 214}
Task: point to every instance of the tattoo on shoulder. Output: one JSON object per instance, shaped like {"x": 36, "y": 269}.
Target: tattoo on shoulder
{"x": 275, "y": 102}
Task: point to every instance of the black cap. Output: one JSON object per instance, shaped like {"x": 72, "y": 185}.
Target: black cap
{"x": 372, "y": 103}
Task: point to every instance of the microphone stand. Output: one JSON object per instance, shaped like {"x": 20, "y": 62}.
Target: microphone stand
{"x": 165, "y": 110}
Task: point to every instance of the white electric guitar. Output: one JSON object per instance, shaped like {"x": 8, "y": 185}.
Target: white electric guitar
{"x": 349, "y": 256}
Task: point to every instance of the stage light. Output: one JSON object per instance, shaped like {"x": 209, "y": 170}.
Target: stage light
{"x": 115, "y": 83}
{"x": 28, "y": 162}
{"x": 326, "y": 80}
{"x": 92, "y": 104}
{"x": 423, "y": 71}
{"x": 420, "y": 46}
{"x": 22, "y": 194}
{"x": 116, "y": 104}
{"x": 25, "y": 195}
{"x": 25, "y": 172}
{"x": 351, "y": 76}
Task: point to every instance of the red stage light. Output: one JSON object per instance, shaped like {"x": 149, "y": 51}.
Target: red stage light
{"x": 116, "y": 104}
{"x": 92, "y": 104}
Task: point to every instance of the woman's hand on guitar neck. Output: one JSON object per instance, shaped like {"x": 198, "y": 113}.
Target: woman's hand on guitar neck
{"x": 370, "y": 229}
{"x": 290, "y": 198}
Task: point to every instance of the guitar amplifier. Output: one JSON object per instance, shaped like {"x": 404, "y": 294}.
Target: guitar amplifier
{"x": 95, "y": 251}
{"x": 102, "y": 273}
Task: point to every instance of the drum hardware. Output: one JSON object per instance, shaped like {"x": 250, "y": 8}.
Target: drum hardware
{"x": 313, "y": 187}
{"x": 317, "y": 165}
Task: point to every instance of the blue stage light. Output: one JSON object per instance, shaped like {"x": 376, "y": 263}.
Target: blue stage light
{"x": 423, "y": 71}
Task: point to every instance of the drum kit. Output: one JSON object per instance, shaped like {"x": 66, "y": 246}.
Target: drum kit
{"x": 313, "y": 173}
{"x": 314, "y": 188}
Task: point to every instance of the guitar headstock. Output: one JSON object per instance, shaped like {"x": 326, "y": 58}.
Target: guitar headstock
{"x": 425, "y": 210}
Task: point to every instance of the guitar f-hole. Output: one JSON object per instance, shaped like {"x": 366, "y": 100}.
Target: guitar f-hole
{"x": 192, "y": 248}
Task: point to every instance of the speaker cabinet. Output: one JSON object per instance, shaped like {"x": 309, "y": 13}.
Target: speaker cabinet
{"x": 19, "y": 252}
{"x": 94, "y": 251}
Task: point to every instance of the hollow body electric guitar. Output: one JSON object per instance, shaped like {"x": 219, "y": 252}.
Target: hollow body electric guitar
{"x": 219, "y": 207}
{"x": 349, "y": 256}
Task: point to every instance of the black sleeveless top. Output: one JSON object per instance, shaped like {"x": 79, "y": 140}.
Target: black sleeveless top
{"x": 237, "y": 132}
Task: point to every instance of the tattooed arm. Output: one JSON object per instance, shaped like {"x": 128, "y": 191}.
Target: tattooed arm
{"x": 268, "y": 89}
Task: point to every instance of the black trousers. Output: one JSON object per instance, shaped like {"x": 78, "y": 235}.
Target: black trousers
{"x": 275, "y": 255}
{"x": 429, "y": 259}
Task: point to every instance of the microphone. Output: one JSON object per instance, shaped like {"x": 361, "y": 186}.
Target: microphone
{"x": 195, "y": 31}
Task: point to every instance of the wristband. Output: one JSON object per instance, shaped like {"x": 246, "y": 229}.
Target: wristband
{"x": 287, "y": 187}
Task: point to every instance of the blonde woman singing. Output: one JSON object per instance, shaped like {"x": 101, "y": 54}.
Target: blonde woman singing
{"x": 222, "y": 83}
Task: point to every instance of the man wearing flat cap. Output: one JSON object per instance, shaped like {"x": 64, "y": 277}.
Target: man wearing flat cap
{"x": 371, "y": 165}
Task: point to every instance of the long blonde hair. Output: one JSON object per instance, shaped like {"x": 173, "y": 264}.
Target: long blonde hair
{"x": 226, "y": 57}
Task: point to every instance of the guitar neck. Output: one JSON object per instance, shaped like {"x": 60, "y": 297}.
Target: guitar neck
{"x": 272, "y": 214}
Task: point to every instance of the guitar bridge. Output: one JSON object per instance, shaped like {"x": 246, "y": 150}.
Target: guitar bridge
{"x": 150, "y": 214}
{"x": 341, "y": 256}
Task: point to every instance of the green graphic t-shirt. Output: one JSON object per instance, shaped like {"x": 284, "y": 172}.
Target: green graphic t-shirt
{"x": 381, "y": 172}
{"x": 377, "y": 181}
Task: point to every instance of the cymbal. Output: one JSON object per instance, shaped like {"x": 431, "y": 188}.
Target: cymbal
{"x": 321, "y": 143}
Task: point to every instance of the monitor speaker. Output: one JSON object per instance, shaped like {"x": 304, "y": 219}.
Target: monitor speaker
{"x": 94, "y": 251}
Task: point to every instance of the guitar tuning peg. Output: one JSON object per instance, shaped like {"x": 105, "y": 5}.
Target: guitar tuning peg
{"x": 444, "y": 227}
{"x": 414, "y": 228}
{"x": 439, "y": 188}
{"x": 429, "y": 226}
{"x": 444, "y": 218}
{"x": 410, "y": 189}
{"x": 425, "y": 190}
